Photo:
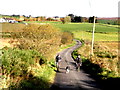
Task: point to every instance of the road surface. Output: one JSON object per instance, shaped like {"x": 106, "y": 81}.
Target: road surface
{"x": 73, "y": 80}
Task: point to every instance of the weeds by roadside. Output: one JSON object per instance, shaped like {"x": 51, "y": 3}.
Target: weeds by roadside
{"x": 104, "y": 59}
{"x": 30, "y": 64}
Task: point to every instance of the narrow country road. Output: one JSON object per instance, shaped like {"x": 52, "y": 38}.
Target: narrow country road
{"x": 73, "y": 80}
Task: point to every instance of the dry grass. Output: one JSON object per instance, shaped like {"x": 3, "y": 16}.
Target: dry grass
{"x": 8, "y": 42}
{"x": 105, "y": 55}
{"x": 44, "y": 38}
{"x": 15, "y": 27}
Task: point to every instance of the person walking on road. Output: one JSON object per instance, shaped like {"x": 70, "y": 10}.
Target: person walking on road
{"x": 58, "y": 59}
{"x": 78, "y": 62}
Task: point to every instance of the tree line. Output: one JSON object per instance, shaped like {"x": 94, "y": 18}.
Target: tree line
{"x": 77, "y": 19}
{"x": 68, "y": 18}
{"x": 81, "y": 19}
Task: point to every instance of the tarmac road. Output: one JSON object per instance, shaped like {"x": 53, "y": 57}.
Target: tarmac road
{"x": 73, "y": 80}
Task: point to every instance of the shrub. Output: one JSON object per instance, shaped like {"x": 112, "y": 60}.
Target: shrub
{"x": 43, "y": 38}
{"x": 67, "y": 37}
{"x": 15, "y": 62}
{"x": 66, "y": 19}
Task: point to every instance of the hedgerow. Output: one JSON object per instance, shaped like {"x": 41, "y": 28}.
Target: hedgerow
{"x": 67, "y": 37}
{"x": 26, "y": 66}
{"x": 105, "y": 57}
{"x": 16, "y": 63}
{"x": 43, "y": 38}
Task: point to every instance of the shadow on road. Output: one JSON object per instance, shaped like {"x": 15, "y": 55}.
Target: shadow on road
{"x": 73, "y": 63}
{"x": 93, "y": 70}
{"x": 64, "y": 87}
{"x": 90, "y": 83}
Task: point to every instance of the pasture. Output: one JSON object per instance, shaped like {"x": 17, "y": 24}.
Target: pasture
{"x": 84, "y": 31}
{"x": 103, "y": 32}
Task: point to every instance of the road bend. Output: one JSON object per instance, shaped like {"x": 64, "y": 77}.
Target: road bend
{"x": 73, "y": 80}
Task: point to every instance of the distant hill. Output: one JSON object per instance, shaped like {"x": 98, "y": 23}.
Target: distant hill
{"x": 108, "y": 18}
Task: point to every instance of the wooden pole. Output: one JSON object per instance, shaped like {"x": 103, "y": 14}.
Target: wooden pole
{"x": 92, "y": 53}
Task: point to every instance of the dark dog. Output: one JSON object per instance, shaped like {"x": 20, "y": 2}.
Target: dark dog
{"x": 67, "y": 69}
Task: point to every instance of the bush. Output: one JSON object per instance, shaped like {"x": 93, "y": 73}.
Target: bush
{"x": 16, "y": 63}
{"x": 66, "y": 19}
{"x": 67, "y": 37}
{"x": 43, "y": 38}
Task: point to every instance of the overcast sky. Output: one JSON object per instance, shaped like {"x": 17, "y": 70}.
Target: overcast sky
{"x": 99, "y": 8}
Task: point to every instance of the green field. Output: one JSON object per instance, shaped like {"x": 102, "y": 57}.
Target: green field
{"x": 84, "y": 31}
{"x": 48, "y": 22}
{"x": 103, "y": 32}
{"x": 112, "y": 22}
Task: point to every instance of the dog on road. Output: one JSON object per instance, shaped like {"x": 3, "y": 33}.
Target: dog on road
{"x": 67, "y": 69}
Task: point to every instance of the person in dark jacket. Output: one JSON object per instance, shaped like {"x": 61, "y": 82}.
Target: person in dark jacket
{"x": 58, "y": 59}
{"x": 78, "y": 62}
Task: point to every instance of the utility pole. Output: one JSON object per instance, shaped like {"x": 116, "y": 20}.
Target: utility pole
{"x": 92, "y": 53}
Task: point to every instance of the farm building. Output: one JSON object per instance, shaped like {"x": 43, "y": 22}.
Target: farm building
{"x": 2, "y": 20}
{"x": 9, "y": 20}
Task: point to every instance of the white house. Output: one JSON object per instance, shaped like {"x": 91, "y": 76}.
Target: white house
{"x": 2, "y": 20}
{"x": 9, "y": 20}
